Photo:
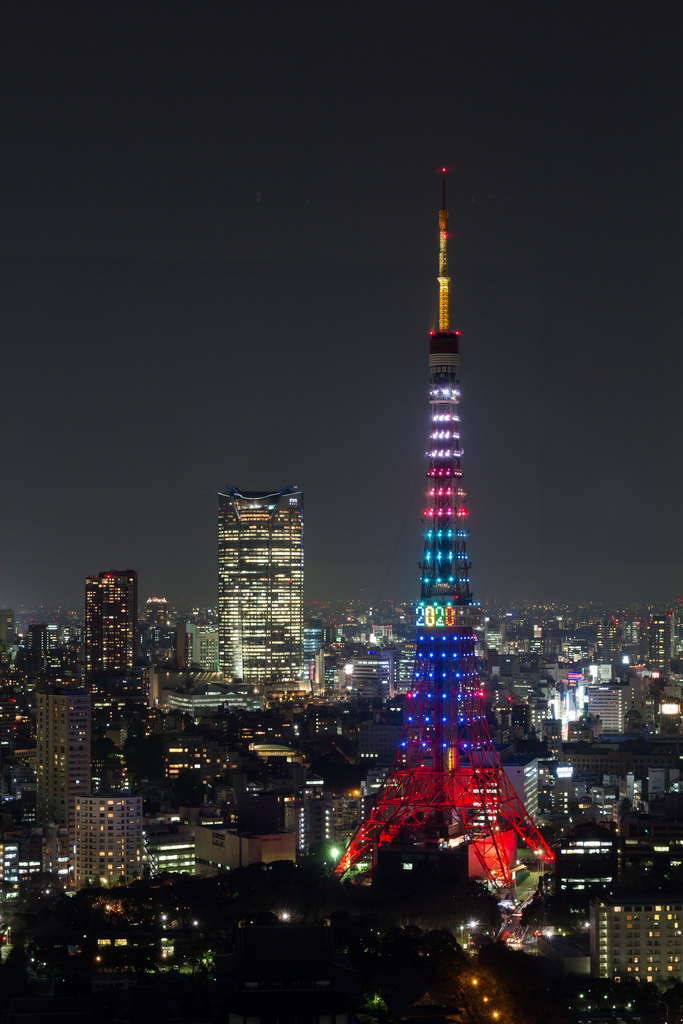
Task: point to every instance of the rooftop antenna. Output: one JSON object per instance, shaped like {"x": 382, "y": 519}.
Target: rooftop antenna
{"x": 443, "y": 259}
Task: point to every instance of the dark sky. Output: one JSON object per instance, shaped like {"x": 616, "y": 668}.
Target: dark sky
{"x": 218, "y": 266}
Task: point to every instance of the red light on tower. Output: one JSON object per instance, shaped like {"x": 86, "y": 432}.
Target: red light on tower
{"x": 446, "y": 778}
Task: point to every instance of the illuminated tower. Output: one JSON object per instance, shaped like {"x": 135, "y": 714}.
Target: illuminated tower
{"x": 260, "y": 585}
{"x": 446, "y": 783}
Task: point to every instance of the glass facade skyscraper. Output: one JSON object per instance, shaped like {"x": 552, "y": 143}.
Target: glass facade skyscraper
{"x": 260, "y": 585}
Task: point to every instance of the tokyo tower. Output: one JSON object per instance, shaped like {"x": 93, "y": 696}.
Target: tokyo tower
{"x": 446, "y": 785}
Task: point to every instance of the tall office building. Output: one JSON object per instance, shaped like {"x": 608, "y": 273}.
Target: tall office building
{"x": 260, "y": 584}
{"x": 370, "y": 675}
{"x": 655, "y": 643}
{"x": 610, "y": 703}
{"x": 609, "y": 639}
{"x": 201, "y": 647}
{"x": 62, "y": 754}
{"x": 111, "y": 613}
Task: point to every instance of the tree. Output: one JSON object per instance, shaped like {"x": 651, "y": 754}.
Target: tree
{"x": 188, "y": 788}
{"x": 563, "y": 912}
{"x": 14, "y": 981}
{"x": 144, "y": 756}
{"x": 624, "y": 806}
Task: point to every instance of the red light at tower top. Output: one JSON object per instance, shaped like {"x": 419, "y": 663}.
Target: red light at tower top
{"x": 446, "y": 784}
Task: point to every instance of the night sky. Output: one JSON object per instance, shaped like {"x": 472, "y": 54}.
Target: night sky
{"x": 218, "y": 267}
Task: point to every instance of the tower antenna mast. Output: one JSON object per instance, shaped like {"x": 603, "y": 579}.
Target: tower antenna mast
{"x": 443, "y": 278}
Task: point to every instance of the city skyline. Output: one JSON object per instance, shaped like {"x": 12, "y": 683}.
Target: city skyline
{"x": 178, "y": 224}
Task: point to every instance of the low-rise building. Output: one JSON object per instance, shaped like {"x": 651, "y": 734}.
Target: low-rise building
{"x": 9, "y": 862}
{"x": 589, "y": 858}
{"x": 570, "y": 954}
{"x": 218, "y": 848}
{"x": 173, "y": 853}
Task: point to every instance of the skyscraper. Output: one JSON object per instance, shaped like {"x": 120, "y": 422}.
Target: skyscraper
{"x": 111, "y": 612}
{"x": 62, "y": 754}
{"x": 655, "y": 645}
{"x": 609, "y": 639}
{"x": 260, "y": 584}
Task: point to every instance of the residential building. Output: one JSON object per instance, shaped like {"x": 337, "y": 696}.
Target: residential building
{"x": 108, "y": 838}
{"x": 111, "y": 611}
{"x": 63, "y": 770}
{"x": 637, "y": 936}
{"x": 210, "y": 758}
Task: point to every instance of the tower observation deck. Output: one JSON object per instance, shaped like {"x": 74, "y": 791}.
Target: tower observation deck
{"x": 446, "y": 784}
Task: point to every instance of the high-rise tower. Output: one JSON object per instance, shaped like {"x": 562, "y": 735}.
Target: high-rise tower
{"x": 260, "y": 584}
{"x": 62, "y": 754}
{"x": 655, "y": 645}
{"x": 446, "y": 783}
{"x": 111, "y": 612}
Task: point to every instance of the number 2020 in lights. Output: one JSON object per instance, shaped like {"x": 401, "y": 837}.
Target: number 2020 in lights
{"x": 435, "y": 615}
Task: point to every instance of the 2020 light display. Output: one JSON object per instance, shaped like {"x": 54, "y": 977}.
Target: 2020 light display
{"x": 446, "y": 783}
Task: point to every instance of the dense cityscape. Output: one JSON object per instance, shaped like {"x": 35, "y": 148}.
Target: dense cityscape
{"x": 217, "y": 808}
{"x": 280, "y": 752}
{"x": 226, "y": 803}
